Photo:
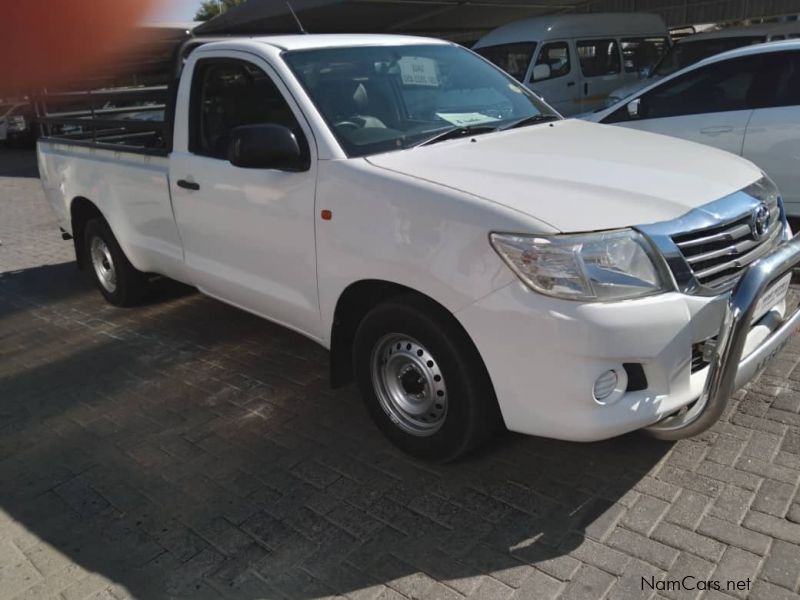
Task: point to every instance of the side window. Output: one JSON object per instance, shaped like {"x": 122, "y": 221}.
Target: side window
{"x": 512, "y": 58}
{"x": 642, "y": 53}
{"x": 556, "y": 56}
{"x": 598, "y": 57}
{"x": 786, "y": 80}
{"x": 227, "y": 93}
{"x": 718, "y": 87}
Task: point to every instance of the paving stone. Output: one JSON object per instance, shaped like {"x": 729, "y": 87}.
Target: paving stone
{"x": 601, "y": 556}
{"x": 636, "y": 582}
{"x": 688, "y": 509}
{"x": 589, "y": 583}
{"x": 645, "y": 514}
{"x": 773, "y": 526}
{"x": 734, "y": 566}
{"x": 763, "y": 590}
{"x": 774, "y": 498}
{"x": 742, "y": 479}
{"x": 689, "y": 570}
{"x": 688, "y": 541}
{"x": 726, "y": 450}
{"x": 733, "y": 535}
{"x": 782, "y": 566}
{"x": 761, "y": 468}
{"x": 539, "y": 585}
{"x": 656, "y": 553}
{"x": 491, "y": 589}
{"x": 732, "y": 504}
{"x": 17, "y": 573}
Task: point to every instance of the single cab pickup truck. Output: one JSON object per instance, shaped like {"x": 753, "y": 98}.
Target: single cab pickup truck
{"x": 469, "y": 257}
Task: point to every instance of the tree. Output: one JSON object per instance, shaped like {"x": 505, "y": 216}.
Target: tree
{"x": 211, "y": 8}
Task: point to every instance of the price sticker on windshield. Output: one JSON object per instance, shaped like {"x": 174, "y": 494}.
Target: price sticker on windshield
{"x": 418, "y": 70}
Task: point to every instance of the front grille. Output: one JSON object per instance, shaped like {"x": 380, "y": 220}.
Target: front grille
{"x": 718, "y": 255}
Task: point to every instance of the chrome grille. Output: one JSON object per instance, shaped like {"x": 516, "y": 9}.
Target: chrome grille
{"x": 717, "y": 255}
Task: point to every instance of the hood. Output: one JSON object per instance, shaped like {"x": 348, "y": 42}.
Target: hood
{"x": 579, "y": 176}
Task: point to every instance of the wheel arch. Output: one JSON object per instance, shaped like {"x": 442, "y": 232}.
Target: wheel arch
{"x": 353, "y": 304}
{"x": 82, "y": 210}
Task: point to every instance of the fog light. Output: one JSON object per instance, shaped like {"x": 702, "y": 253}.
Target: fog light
{"x": 605, "y": 385}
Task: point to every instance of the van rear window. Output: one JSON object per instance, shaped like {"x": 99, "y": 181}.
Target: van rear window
{"x": 512, "y": 58}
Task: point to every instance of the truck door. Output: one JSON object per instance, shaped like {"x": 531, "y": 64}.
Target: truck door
{"x": 555, "y": 77}
{"x": 601, "y": 70}
{"x": 248, "y": 234}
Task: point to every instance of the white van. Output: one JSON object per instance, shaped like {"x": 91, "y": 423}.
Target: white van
{"x": 694, "y": 48}
{"x": 575, "y": 61}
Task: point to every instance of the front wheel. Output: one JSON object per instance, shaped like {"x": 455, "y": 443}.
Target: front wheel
{"x": 116, "y": 278}
{"x": 422, "y": 380}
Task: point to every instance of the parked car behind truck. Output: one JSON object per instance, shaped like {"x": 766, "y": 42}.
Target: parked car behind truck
{"x": 745, "y": 101}
{"x": 468, "y": 257}
{"x": 17, "y": 123}
{"x": 574, "y": 61}
{"x": 694, "y": 48}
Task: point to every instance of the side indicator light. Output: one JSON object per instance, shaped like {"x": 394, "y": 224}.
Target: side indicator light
{"x": 326, "y": 215}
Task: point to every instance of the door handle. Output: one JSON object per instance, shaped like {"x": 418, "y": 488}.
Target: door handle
{"x": 570, "y": 84}
{"x": 717, "y": 130}
{"x": 188, "y": 185}
{"x": 586, "y": 89}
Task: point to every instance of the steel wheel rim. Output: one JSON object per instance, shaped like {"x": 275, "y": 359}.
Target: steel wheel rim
{"x": 409, "y": 384}
{"x": 103, "y": 265}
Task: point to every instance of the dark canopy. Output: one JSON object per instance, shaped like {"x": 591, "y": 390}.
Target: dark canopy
{"x": 463, "y": 19}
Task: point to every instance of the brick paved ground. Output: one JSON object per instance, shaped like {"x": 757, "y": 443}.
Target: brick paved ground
{"x": 186, "y": 449}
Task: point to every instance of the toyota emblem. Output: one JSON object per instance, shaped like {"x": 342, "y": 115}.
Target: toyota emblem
{"x": 761, "y": 222}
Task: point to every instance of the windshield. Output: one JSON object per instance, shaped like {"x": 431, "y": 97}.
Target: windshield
{"x": 687, "y": 53}
{"x": 382, "y": 98}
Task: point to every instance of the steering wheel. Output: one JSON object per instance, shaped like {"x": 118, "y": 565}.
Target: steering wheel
{"x": 348, "y": 124}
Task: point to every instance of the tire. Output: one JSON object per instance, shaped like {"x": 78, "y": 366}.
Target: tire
{"x": 116, "y": 278}
{"x": 412, "y": 349}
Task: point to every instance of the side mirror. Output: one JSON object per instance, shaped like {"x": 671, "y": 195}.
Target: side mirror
{"x": 644, "y": 72}
{"x": 541, "y": 72}
{"x": 633, "y": 108}
{"x": 267, "y": 147}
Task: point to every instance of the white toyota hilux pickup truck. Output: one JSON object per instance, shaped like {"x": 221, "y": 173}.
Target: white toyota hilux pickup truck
{"x": 470, "y": 258}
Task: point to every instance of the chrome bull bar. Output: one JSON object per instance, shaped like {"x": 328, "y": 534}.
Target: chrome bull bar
{"x": 727, "y": 370}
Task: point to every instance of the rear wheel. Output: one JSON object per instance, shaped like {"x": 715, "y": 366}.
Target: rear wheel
{"x": 422, "y": 380}
{"x": 116, "y": 278}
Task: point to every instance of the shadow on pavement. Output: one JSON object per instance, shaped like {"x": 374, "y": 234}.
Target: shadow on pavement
{"x": 188, "y": 449}
{"x": 18, "y": 162}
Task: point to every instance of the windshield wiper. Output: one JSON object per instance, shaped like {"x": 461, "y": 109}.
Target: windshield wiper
{"x": 532, "y": 120}
{"x": 455, "y": 133}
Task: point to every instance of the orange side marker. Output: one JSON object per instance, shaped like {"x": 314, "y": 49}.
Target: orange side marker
{"x": 326, "y": 215}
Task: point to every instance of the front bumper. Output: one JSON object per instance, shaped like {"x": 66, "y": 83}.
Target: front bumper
{"x": 544, "y": 354}
{"x": 730, "y": 367}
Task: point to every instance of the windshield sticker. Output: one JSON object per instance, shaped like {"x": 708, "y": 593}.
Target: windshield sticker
{"x": 417, "y": 70}
{"x": 465, "y": 119}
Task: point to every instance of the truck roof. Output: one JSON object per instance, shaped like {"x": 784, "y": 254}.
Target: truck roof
{"x": 331, "y": 40}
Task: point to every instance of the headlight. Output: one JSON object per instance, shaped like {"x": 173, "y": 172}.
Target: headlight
{"x": 764, "y": 189}
{"x": 611, "y": 265}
